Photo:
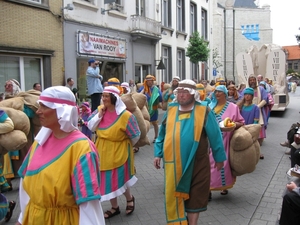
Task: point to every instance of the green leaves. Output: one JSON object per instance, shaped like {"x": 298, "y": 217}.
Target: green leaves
{"x": 197, "y": 49}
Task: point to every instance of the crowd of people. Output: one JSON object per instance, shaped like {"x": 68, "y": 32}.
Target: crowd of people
{"x": 102, "y": 168}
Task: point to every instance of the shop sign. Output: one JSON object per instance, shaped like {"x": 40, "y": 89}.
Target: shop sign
{"x": 100, "y": 45}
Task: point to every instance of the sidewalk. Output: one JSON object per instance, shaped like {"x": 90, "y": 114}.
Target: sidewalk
{"x": 255, "y": 199}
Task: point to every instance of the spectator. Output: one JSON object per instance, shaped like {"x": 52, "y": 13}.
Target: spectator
{"x": 93, "y": 80}
{"x": 37, "y": 86}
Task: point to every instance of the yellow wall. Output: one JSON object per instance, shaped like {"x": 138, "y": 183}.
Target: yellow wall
{"x": 30, "y": 27}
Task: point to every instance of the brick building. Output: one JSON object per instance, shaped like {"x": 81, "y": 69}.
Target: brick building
{"x": 31, "y": 42}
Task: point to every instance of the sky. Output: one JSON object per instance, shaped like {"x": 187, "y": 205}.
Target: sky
{"x": 284, "y": 20}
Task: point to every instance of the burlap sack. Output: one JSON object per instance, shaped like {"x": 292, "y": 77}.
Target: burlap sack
{"x": 254, "y": 130}
{"x": 16, "y": 103}
{"x": 30, "y": 98}
{"x": 145, "y": 113}
{"x": 148, "y": 124}
{"x": 241, "y": 139}
{"x": 129, "y": 102}
{"x": 141, "y": 122}
{"x": 19, "y": 118}
{"x": 245, "y": 161}
{"x": 166, "y": 86}
{"x": 138, "y": 86}
{"x": 142, "y": 142}
{"x": 140, "y": 99}
{"x": 13, "y": 140}
{"x": 164, "y": 104}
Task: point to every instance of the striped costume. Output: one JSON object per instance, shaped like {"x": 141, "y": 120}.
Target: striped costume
{"x": 59, "y": 176}
{"x": 115, "y": 149}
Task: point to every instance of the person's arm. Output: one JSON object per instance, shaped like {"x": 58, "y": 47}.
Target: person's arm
{"x": 159, "y": 143}
{"x": 24, "y": 199}
{"x": 215, "y": 137}
{"x": 93, "y": 72}
{"x": 133, "y": 130}
{"x": 91, "y": 213}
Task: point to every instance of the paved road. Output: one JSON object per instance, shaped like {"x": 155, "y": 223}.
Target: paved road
{"x": 254, "y": 200}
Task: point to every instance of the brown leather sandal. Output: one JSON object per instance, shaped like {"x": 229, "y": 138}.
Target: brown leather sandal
{"x": 11, "y": 208}
{"x": 112, "y": 214}
{"x": 130, "y": 208}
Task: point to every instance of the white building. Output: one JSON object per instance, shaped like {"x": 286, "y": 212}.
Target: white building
{"x": 238, "y": 25}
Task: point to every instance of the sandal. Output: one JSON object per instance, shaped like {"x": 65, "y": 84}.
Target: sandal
{"x": 136, "y": 149}
{"x": 11, "y": 208}
{"x": 261, "y": 156}
{"x": 209, "y": 196}
{"x": 130, "y": 208}
{"x": 112, "y": 214}
{"x": 224, "y": 192}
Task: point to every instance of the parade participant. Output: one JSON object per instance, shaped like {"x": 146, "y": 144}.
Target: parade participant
{"x": 270, "y": 101}
{"x": 117, "y": 131}
{"x": 93, "y": 81}
{"x": 224, "y": 179}
{"x": 154, "y": 97}
{"x": 132, "y": 86}
{"x": 60, "y": 175}
{"x": 241, "y": 88}
{"x": 12, "y": 88}
{"x": 233, "y": 95}
{"x": 169, "y": 95}
{"x": 260, "y": 99}
{"x": 126, "y": 88}
{"x": 290, "y": 206}
{"x": 184, "y": 149}
{"x": 83, "y": 119}
{"x": 249, "y": 111}
{"x": 6, "y": 208}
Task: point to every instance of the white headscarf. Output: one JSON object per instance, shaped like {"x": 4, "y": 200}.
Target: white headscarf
{"x": 126, "y": 85}
{"x": 63, "y": 100}
{"x": 120, "y": 105}
{"x": 188, "y": 85}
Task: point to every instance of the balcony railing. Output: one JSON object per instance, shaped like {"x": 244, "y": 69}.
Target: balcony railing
{"x": 145, "y": 25}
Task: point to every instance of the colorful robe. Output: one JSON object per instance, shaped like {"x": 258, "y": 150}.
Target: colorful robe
{"x": 153, "y": 99}
{"x": 177, "y": 144}
{"x": 58, "y": 176}
{"x": 114, "y": 145}
{"x": 224, "y": 179}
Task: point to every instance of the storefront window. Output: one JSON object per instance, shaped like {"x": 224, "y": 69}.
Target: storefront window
{"x": 107, "y": 70}
{"x": 26, "y": 70}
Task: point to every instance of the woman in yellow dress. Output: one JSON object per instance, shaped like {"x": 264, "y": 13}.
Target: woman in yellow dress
{"x": 60, "y": 177}
{"x": 117, "y": 131}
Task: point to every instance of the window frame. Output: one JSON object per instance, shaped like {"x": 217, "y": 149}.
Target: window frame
{"x": 204, "y": 24}
{"x": 140, "y": 8}
{"x": 22, "y": 78}
{"x": 166, "y": 13}
{"x": 193, "y": 18}
{"x": 296, "y": 66}
{"x": 167, "y": 60}
{"x": 180, "y": 16}
{"x": 43, "y": 5}
{"x": 180, "y": 63}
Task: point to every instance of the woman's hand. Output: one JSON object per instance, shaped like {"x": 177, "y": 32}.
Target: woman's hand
{"x": 102, "y": 112}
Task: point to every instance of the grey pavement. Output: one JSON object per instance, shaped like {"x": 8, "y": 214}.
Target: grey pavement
{"x": 255, "y": 199}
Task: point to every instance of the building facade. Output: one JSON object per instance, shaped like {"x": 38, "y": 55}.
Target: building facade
{"x": 31, "y": 42}
{"x": 120, "y": 36}
{"x": 238, "y": 25}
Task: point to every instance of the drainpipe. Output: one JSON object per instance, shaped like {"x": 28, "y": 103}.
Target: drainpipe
{"x": 225, "y": 59}
{"x": 233, "y": 41}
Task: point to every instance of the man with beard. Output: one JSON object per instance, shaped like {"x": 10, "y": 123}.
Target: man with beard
{"x": 260, "y": 99}
{"x": 169, "y": 95}
{"x": 154, "y": 97}
{"x": 12, "y": 88}
{"x": 184, "y": 149}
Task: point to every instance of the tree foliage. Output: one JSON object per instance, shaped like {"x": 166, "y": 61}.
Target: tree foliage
{"x": 197, "y": 49}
